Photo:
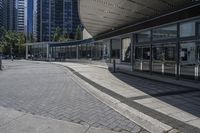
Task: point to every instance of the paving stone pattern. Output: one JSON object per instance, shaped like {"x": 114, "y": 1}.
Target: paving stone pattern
{"x": 48, "y": 90}
{"x": 188, "y": 101}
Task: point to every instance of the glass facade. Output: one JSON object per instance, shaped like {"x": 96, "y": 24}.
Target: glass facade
{"x": 160, "y": 55}
{"x": 187, "y": 29}
{"x": 188, "y": 59}
{"x": 168, "y": 32}
{"x": 144, "y": 36}
{"x": 172, "y": 50}
{"x": 38, "y": 52}
{"x": 54, "y": 14}
{"x": 126, "y": 50}
{"x": 115, "y": 49}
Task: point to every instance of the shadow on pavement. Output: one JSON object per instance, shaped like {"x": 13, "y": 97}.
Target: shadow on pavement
{"x": 186, "y": 99}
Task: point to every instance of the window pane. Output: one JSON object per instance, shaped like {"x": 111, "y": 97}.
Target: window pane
{"x": 158, "y": 53}
{"x": 138, "y": 53}
{"x": 187, "y": 29}
{"x": 146, "y": 53}
{"x": 188, "y": 60}
{"x": 115, "y": 49}
{"x": 170, "y": 53}
{"x": 144, "y": 36}
{"x": 126, "y": 50}
{"x": 165, "y": 33}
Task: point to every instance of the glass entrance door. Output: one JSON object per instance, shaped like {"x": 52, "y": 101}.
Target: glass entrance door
{"x": 142, "y": 58}
{"x": 157, "y": 59}
{"x": 169, "y": 59}
{"x": 164, "y": 59}
{"x": 188, "y": 60}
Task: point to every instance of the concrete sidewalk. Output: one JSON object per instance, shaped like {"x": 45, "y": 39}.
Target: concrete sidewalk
{"x": 12, "y": 121}
{"x": 157, "y": 107}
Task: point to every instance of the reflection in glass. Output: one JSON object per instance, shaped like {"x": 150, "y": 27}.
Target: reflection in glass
{"x": 170, "y": 53}
{"x": 142, "y": 56}
{"x": 73, "y": 52}
{"x": 170, "y": 59}
{"x": 187, "y": 29}
{"x": 115, "y": 49}
{"x": 138, "y": 58}
{"x": 146, "y": 53}
{"x": 157, "y": 53}
{"x": 144, "y": 36}
{"x": 106, "y": 50}
{"x": 88, "y": 50}
{"x": 187, "y": 60}
{"x": 165, "y": 33}
{"x": 157, "y": 62}
{"x": 146, "y": 58}
{"x": 126, "y": 50}
{"x": 84, "y": 51}
{"x": 138, "y": 53}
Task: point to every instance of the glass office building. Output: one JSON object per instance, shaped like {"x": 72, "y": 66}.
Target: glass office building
{"x": 8, "y": 14}
{"x": 1, "y": 13}
{"x": 52, "y": 14}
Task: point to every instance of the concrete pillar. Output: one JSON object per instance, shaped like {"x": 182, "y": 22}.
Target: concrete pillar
{"x": 47, "y": 45}
{"x": 26, "y": 51}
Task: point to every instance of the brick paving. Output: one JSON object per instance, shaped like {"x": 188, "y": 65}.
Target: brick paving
{"x": 48, "y": 90}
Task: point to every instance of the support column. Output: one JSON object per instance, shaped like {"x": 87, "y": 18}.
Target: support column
{"x": 47, "y": 47}
{"x": 134, "y": 41}
{"x": 26, "y": 51}
{"x": 132, "y": 51}
{"x": 151, "y": 54}
{"x": 178, "y": 53}
{"x": 111, "y": 41}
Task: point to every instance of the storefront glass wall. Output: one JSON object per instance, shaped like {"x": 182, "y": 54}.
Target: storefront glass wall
{"x": 115, "y": 49}
{"x": 138, "y": 58}
{"x": 142, "y": 58}
{"x": 142, "y": 51}
{"x": 187, "y": 29}
{"x": 106, "y": 49}
{"x": 188, "y": 59}
{"x": 164, "y": 59}
{"x": 84, "y": 51}
{"x": 165, "y": 33}
{"x": 126, "y": 50}
{"x": 89, "y": 49}
{"x": 144, "y": 36}
{"x": 189, "y": 62}
{"x": 73, "y": 52}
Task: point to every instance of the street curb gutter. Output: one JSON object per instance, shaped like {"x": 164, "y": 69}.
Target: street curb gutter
{"x": 134, "y": 115}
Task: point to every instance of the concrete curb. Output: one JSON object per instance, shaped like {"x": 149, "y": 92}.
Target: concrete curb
{"x": 134, "y": 115}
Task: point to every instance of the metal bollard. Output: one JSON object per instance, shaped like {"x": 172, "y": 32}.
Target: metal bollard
{"x": 114, "y": 66}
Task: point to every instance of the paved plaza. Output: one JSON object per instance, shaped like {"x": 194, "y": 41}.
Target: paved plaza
{"x": 48, "y": 91}
{"x": 154, "y": 104}
{"x": 89, "y": 98}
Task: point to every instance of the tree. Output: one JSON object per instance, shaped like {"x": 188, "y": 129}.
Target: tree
{"x": 57, "y": 34}
{"x": 21, "y": 39}
{"x": 78, "y": 35}
{"x": 11, "y": 39}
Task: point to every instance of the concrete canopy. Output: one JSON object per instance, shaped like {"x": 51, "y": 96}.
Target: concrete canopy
{"x": 99, "y": 16}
